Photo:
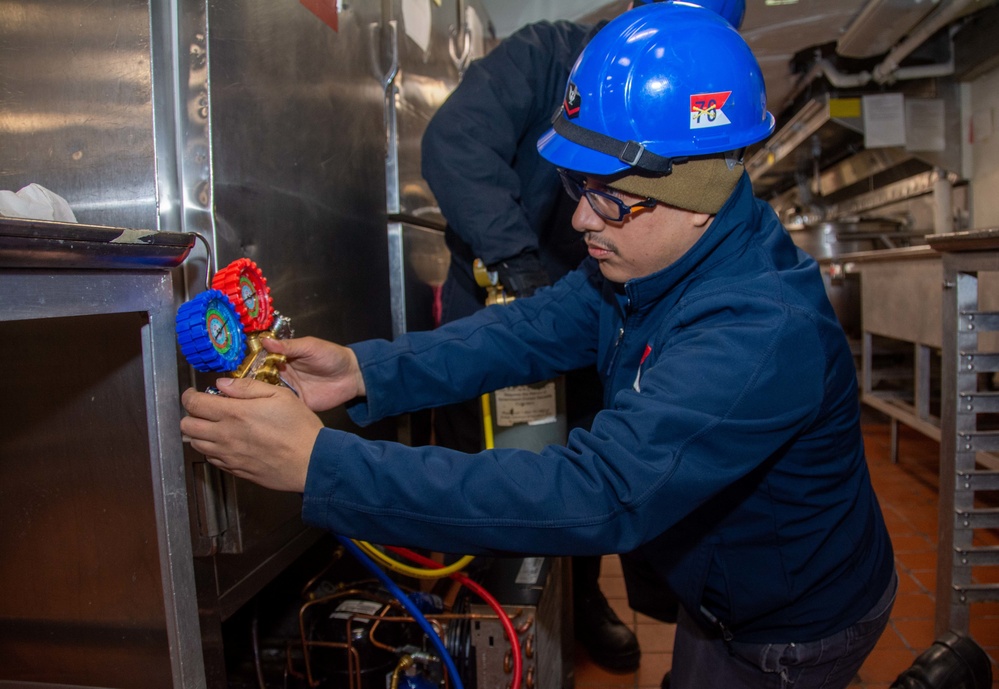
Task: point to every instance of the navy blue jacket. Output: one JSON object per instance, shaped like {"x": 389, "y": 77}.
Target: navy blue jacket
{"x": 730, "y": 450}
{"x": 480, "y": 158}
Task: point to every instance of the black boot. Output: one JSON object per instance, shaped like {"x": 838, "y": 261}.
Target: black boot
{"x": 954, "y": 661}
{"x": 608, "y": 641}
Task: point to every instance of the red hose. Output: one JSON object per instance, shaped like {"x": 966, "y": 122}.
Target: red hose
{"x": 474, "y": 587}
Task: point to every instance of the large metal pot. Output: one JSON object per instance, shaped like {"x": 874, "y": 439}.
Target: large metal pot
{"x": 831, "y": 239}
{"x": 834, "y": 238}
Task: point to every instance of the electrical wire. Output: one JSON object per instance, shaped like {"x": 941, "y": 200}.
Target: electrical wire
{"x": 439, "y": 572}
{"x": 410, "y": 606}
{"x": 255, "y": 639}
{"x": 477, "y": 589}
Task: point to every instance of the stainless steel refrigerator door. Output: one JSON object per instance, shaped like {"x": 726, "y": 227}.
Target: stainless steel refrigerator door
{"x": 298, "y": 151}
{"x": 427, "y": 46}
{"x": 431, "y": 44}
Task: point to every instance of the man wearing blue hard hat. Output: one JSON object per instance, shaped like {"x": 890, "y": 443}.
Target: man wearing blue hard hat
{"x": 729, "y": 451}
{"x": 504, "y": 204}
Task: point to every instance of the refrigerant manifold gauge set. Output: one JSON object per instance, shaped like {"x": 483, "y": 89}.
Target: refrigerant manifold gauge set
{"x": 220, "y": 329}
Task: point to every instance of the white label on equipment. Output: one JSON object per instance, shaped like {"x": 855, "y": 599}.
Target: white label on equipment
{"x": 349, "y": 608}
{"x": 531, "y": 404}
{"x": 530, "y": 571}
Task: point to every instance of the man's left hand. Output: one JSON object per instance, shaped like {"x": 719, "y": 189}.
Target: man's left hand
{"x": 256, "y": 431}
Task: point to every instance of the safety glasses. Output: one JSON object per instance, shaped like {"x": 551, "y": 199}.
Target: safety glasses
{"x": 606, "y": 205}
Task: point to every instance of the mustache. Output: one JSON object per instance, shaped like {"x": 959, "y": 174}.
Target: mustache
{"x": 601, "y": 244}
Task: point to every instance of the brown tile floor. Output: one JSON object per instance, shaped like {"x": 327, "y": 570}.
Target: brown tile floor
{"x": 908, "y": 494}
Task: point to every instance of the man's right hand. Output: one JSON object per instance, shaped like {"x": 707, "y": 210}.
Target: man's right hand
{"x": 324, "y": 374}
{"x": 521, "y": 275}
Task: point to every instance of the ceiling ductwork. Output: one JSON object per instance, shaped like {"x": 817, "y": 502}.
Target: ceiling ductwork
{"x": 945, "y": 14}
{"x": 880, "y": 25}
{"x": 816, "y": 135}
{"x": 894, "y": 29}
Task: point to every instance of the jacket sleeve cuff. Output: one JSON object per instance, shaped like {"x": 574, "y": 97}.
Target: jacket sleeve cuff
{"x": 320, "y": 482}
{"x": 360, "y": 410}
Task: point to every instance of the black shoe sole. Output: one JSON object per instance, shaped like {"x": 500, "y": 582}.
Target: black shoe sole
{"x": 618, "y": 665}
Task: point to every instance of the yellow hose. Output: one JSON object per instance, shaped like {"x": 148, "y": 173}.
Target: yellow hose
{"x": 487, "y": 423}
{"x": 418, "y": 572}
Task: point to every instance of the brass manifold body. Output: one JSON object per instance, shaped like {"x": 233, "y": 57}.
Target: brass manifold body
{"x": 260, "y": 364}
{"x": 495, "y": 292}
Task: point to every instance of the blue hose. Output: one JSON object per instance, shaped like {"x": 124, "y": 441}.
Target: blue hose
{"x": 401, "y": 596}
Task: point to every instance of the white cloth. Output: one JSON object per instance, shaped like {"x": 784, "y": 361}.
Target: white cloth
{"x": 36, "y": 202}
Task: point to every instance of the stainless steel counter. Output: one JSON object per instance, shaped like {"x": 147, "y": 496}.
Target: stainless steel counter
{"x": 984, "y": 239}
{"x": 900, "y": 333}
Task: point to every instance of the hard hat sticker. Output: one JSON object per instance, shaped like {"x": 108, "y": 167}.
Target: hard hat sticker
{"x": 706, "y": 110}
{"x": 572, "y": 101}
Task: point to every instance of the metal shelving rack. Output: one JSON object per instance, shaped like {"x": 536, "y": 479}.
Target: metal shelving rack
{"x": 970, "y": 314}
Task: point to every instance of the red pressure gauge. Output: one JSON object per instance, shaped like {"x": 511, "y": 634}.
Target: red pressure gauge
{"x": 245, "y": 285}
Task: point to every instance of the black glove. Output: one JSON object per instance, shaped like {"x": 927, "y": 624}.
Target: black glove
{"x": 521, "y": 275}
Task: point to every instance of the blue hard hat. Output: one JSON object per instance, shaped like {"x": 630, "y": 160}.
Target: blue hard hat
{"x": 657, "y": 85}
{"x": 734, "y": 11}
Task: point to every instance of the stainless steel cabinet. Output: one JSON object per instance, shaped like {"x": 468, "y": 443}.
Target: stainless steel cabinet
{"x": 96, "y": 564}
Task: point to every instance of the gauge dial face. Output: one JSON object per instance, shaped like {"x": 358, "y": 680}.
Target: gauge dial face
{"x": 245, "y": 285}
{"x": 210, "y": 334}
{"x": 220, "y": 326}
{"x": 248, "y": 294}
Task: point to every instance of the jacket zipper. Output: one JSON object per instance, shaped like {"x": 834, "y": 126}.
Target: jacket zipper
{"x": 617, "y": 348}
{"x": 624, "y": 309}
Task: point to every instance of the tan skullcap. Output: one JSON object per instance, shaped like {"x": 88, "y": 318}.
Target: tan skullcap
{"x": 701, "y": 185}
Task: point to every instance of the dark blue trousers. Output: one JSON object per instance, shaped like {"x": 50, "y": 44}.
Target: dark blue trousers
{"x": 704, "y": 660}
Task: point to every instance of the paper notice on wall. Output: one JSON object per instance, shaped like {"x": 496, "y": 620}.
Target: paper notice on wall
{"x": 417, "y": 19}
{"x": 884, "y": 120}
{"x": 924, "y": 124}
{"x": 533, "y": 404}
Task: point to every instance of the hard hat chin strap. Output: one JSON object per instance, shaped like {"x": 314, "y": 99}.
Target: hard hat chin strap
{"x": 630, "y": 153}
